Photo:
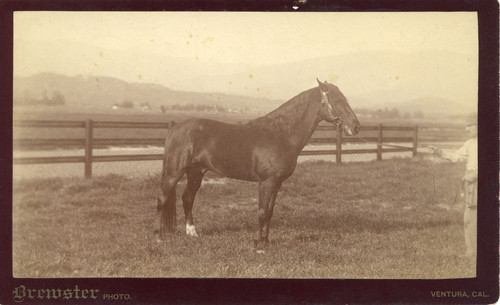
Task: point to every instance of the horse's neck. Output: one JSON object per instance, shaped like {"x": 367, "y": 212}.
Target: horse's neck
{"x": 303, "y": 131}
{"x": 293, "y": 122}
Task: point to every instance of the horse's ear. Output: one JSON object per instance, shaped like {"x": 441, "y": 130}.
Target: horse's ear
{"x": 322, "y": 86}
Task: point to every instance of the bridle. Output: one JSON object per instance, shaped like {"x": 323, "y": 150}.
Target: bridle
{"x": 324, "y": 101}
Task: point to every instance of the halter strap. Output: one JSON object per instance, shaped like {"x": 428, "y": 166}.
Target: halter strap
{"x": 324, "y": 101}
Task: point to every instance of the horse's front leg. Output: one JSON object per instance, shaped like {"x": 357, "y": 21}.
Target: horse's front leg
{"x": 270, "y": 210}
{"x": 268, "y": 190}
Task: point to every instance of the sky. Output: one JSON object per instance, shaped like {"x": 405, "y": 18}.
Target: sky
{"x": 247, "y": 37}
{"x": 73, "y": 43}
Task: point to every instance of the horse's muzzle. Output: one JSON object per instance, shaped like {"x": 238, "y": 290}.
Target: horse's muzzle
{"x": 352, "y": 132}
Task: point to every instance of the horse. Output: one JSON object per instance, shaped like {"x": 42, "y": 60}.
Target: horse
{"x": 264, "y": 150}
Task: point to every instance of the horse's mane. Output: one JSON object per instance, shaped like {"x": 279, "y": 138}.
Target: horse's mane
{"x": 283, "y": 120}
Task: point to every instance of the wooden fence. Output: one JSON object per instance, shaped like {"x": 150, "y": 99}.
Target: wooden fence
{"x": 89, "y": 142}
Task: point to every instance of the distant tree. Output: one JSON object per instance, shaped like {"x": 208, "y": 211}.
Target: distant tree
{"x": 24, "y": 98}
{"x": 198, "y": 107}
{"x": 127, "y": 104}
{"x": 419, "y": 114}
{"x": 44, "y": 98}
{"x": 201, "y": 107}
{"x": 395, "y": 112}
{"x": 221, "y": 109}
{"x": 163, "y": 108}
{"x": 58, "y": 98}
{"x": 145, "y": 106}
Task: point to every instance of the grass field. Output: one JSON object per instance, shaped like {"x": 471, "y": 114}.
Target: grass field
{"x": 387, "y": 219}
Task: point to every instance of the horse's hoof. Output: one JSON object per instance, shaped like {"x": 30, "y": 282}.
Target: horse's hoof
{"x": 164, "y": 232}
{"x": 191, "y": 230}
{"x": 158, "y": 236}
{"x": 260, "y": 245}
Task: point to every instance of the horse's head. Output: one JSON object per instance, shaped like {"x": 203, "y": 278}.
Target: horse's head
{"x": 336, "y": 110}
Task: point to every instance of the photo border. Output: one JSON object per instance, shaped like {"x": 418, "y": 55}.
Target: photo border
{"x": 278, "y": 291}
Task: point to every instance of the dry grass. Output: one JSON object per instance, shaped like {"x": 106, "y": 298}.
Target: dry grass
{"x": 358, "y": 220}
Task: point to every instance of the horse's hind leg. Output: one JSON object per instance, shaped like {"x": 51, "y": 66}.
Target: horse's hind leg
{"x": 268, "y": 189}
{"x": 194, "y": 177}
{"x": 166, "y": 200}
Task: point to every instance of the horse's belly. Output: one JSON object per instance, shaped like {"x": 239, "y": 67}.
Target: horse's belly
{"x": 236, "y": 152}
{"x": 226, "y": 160}
{"x": 254, "y": 166}
{"x": 233, "y": 165}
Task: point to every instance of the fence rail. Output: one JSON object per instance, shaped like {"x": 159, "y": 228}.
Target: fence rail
{"x": 89, "y": 142}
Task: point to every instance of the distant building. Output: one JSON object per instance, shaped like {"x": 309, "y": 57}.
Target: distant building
{"x": 145, "y": 107}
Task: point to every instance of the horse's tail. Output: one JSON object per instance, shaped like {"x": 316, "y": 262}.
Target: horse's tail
{"x": 176, "y": 159}
{"x": 161, "y": 199}
{"x": 166, "y": 203}
{"x": 166, "y": 195}
{"x": 167, "y": 212}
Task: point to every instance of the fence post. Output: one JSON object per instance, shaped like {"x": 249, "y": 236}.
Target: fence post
{"x": 415, "y": 140}
{"x": 89, "y": 143}
{"x": 379, "y": 145}
{"x": 339, "y": 145}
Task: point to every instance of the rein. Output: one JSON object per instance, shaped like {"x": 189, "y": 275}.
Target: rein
{"x": 434, "y": 168}
{"x": 339, "y": 121}
{"x": 400, "y": 146}
{"x": 388, "y": 145}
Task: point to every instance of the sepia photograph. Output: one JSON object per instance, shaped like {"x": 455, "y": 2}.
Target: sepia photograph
{"x": 243, "y": 146}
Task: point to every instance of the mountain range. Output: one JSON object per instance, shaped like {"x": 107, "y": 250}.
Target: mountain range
{"x": 92, "y": 77}
{"x": 102, "y": 93}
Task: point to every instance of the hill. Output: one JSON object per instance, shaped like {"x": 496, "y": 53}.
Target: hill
{"x": 409, "y": 82}
{"x": 102, "y": 93}
{"x": 426, "y": 80}
{"x": 371, "y": 81}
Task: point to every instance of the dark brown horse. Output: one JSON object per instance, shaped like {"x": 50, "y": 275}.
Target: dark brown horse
{"x": 264, "y": 150}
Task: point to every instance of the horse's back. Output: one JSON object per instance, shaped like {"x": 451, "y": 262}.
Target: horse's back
{"x": 193, "y": 131}
{"x": 232, "y": 150}
{"x": 198, "y": 137}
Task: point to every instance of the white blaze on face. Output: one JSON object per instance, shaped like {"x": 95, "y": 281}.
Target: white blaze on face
{"x": 191, "y": 230}
{"x": 348, "y": 130}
